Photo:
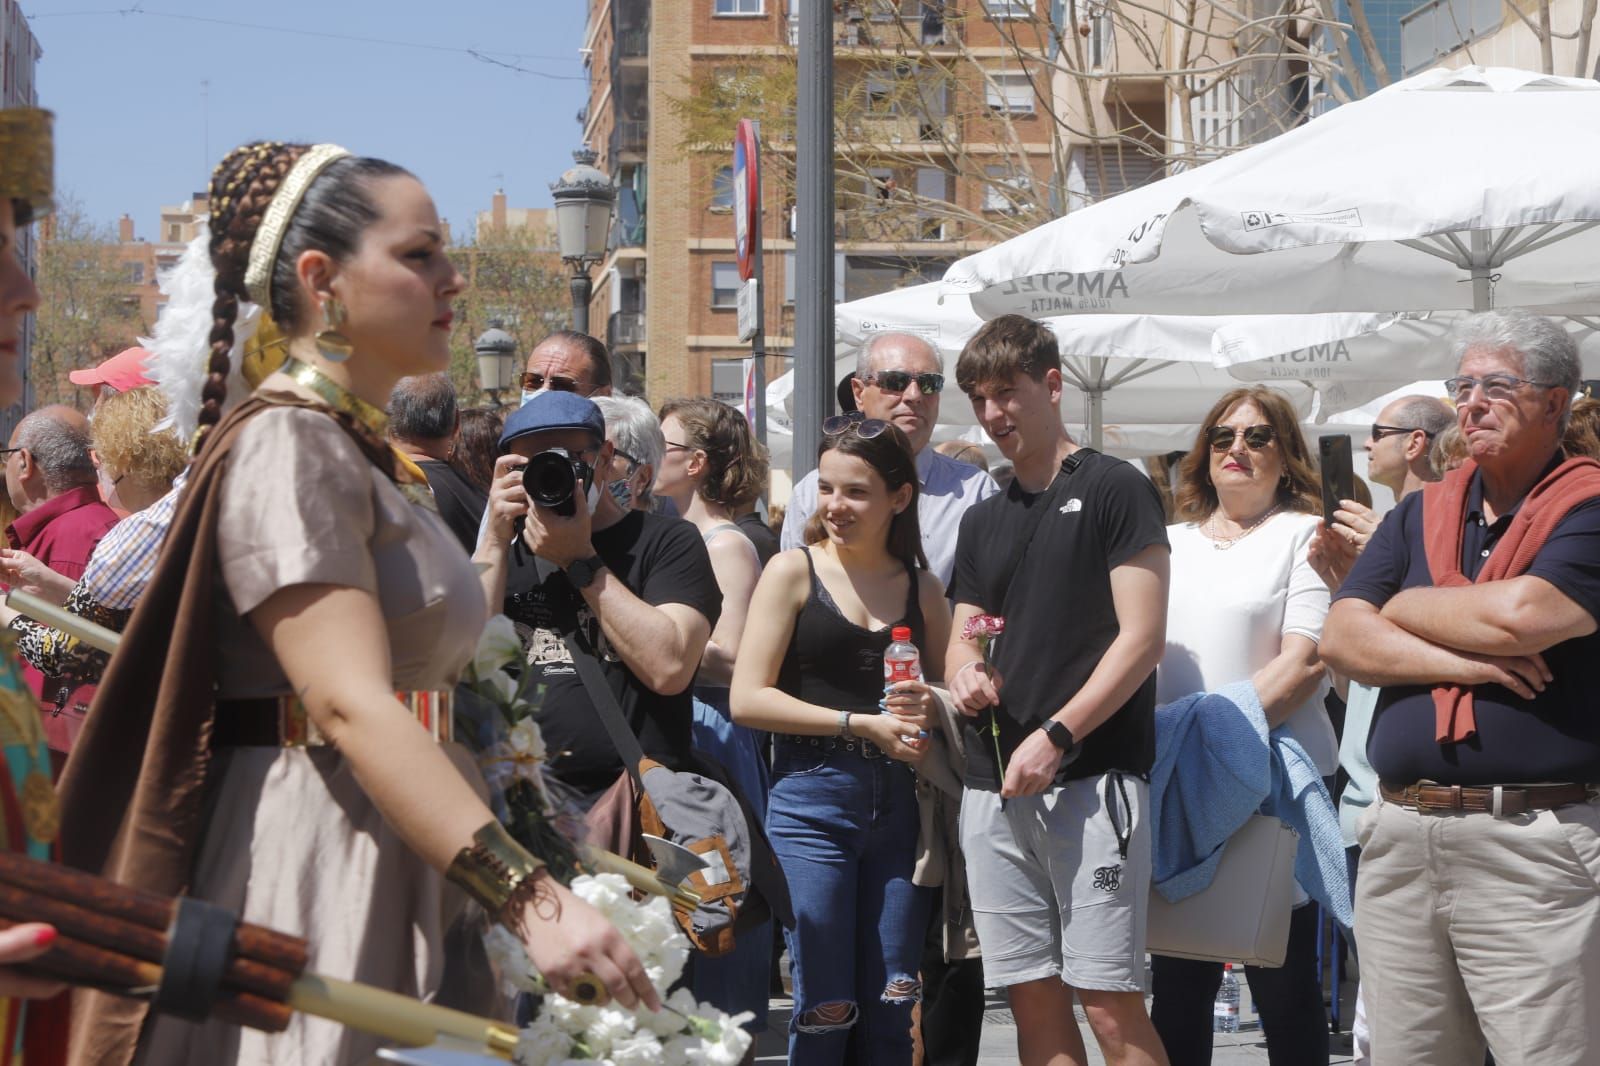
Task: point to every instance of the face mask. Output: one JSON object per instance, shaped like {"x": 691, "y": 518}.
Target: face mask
{"x": 527, "y": 395}
{"x": 593, "y": 496}
{"x": 621, "y": 492}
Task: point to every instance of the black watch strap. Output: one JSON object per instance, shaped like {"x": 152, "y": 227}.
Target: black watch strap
{"x": 1059, "y": 734}
{"x": 582, "y": 571}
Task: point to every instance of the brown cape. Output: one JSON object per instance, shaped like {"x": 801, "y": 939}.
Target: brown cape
{"x": 133, "y": 789}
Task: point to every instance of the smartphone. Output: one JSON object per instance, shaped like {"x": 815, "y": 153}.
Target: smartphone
{"x": 1338, "y": 476}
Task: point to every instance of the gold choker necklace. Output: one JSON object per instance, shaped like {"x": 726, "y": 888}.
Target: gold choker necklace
{"x": 336, "y": 395}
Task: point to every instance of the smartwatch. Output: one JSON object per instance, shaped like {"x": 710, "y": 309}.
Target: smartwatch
{"x": 1059, "y": 734}
{"x": 581, "y": 573}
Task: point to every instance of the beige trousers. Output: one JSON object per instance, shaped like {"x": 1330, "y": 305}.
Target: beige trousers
{"x": 1475, "y": 930}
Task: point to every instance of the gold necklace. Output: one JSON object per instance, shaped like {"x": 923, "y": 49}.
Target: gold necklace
{"x": 337, "y": 396}
{"x": 1222, "y": 544}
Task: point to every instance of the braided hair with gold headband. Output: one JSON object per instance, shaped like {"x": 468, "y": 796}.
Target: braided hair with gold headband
{"x": 336, "y": 207}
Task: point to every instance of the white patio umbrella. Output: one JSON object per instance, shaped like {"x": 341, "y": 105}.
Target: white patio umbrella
{"x": 1454, "y": 190}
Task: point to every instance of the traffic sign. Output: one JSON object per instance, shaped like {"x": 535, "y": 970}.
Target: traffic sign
{"x": 746, "y": 194}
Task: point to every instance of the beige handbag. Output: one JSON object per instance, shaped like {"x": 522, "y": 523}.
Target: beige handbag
{"x": 1243, "y": 915}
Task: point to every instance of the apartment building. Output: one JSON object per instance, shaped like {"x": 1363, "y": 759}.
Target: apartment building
{"x": 19, "y": 59}
{"x": 945, "y": 143}
{"x": 1497, "y": 33}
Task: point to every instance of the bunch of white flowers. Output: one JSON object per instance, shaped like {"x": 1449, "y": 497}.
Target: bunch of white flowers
{"x": 686, "y": 1033}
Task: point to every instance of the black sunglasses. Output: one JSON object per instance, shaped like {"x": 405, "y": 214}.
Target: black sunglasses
{"x": 533, "y": 381}
{"x": 866, "y": 428}
{"x": 1221, "y": 438}
{"x": 1380, "y": 431}
{"x": 900, "y": 381}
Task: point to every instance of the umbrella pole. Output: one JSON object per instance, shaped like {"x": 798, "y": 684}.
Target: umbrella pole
{"x": 1482, "y": 280}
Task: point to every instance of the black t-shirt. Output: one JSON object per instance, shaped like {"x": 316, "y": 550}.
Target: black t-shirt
{"x": 1059, "y": 617}
{"x": 460, "y": 504}
{"x": 661, "y": 560}
{"x": 760, "y": 534}
{"x": 1552, "y": 737}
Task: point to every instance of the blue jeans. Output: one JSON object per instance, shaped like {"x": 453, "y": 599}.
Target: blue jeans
{"x": 740, "y": 980}
{"x": 844, "y": 828}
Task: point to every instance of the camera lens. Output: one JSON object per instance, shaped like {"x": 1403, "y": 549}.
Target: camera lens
{"x": 551, "y": 482}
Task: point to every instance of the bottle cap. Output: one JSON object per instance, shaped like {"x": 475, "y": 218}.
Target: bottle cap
{"x": 900, "y": 633}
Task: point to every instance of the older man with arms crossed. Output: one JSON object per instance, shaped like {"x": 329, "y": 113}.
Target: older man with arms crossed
{"x": 1473, "y": 607}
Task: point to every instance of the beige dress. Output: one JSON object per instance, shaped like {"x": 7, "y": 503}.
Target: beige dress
{"x": 292, "y": 842}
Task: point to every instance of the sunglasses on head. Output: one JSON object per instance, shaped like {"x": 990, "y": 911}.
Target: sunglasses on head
{"x": 900, "y": 381}
{"x": 865, "y": 428}
{"x": 533, "y": 381}
{"x": 1221, "y": 438}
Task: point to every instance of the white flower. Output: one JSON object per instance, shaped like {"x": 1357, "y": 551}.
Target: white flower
{"x": 527, "y": 740}
{"x": 497, "y": 687}
{"x": 640, "y": 1049}
{"x": 542, "y": 1044}
{"x": 509, "y": 958}
{"x": 498, "y": 647}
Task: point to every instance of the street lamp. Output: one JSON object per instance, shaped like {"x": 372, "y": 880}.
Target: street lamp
{"x": 497, "y": 360}
{"x": 583, "y": 197}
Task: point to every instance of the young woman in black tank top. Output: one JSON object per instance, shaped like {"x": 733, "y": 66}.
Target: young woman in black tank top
{"x": 843, "y": 810}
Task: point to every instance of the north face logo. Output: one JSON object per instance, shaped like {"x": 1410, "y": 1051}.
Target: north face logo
{"x": 1072, "y": 505}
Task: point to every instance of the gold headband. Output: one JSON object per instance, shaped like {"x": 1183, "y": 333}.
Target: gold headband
{"x": 269, "y": 238}
{"x": 27, "y": 162}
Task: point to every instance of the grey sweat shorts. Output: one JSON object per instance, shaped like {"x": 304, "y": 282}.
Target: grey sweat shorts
{"x": 1060, "y": 882}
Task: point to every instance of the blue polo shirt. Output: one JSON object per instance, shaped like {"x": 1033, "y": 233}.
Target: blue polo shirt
{"x": 1553, "y": 737}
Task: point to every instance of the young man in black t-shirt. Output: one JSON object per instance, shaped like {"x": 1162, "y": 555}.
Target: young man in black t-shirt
{"x": 637, "y": 587}
{"x": 1060, "y": 736}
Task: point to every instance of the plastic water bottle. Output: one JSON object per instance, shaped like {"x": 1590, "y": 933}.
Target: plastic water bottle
{"x": 902, "y": 662}
{"x": 1225, "y": 1013}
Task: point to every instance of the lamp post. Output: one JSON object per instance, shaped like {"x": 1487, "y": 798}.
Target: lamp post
{"x": 584, "y": 197}
{"x": 497, "y": 360}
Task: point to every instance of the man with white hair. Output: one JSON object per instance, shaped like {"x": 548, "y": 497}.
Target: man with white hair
{"x": 898, "y": 379}
{"x": 1474, "y": 609}
{"x": 635, "y": 431}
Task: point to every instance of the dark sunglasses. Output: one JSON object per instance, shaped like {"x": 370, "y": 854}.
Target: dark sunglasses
{"x": 866, "y": 428}
{"x": 900, "y": 381}
{"x": 1221, "y": 438}
{"x": 533, "y": 381}
{"x": 1380, "y": 431}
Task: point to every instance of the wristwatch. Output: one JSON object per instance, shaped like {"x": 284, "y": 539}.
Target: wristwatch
{"x": 1059, "y": 734}
{"x": 581, "y": 573}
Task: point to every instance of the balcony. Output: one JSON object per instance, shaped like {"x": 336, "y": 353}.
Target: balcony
{"x": 904, "y": 129}
{"x": 630, "y": 135}
{"x": 888, "y": 24}
{"x": 625, "y": 329}
{"x": 633, "y": 43}
{"x": 891, "y": 226}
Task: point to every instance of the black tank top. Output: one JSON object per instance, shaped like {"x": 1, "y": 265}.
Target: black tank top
{"x": 834, "y": 663}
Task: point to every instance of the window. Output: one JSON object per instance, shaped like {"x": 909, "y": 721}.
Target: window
{"x": 1006, "y": 190}
{"x": 881, "y": 185}
{"x": 725, "y": 284}
{"x": 722, "y": 189}
{"x": 880, "y": 94}
{"x": 791, "y": 272}
{"x": 1012, "y": 93}
{"x": 136, "y": 273}
{"x": 1008, "y": 9}
{"x": 727, "y": 381}
{"x": 736, "y": 7}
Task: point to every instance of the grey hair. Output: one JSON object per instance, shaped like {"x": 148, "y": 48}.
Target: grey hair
{"x": 60, "y": 450}
{"x": 865, "y": 362}
{"x": 1432, "y": 416}
{"x": 1549, "y": 354}
{"x": 423, "y": 408}
{"x": 633, "y": 428}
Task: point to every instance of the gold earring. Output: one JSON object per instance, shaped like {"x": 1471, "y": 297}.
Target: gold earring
{"x": 334, "y": 346}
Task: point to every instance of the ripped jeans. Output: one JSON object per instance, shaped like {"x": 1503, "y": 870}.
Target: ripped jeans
{"x": 844, "y": 827}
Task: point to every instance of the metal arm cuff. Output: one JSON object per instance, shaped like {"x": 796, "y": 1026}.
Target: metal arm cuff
{"x": 493, "y": 868}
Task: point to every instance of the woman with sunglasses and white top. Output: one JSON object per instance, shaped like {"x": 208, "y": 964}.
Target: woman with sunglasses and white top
{"x": 1246, "y": 605}
{"x": 842, "y": 814}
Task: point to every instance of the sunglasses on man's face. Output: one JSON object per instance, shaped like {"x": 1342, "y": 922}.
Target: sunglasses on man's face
{"x": 1380, "y": 431}
{"x": 533, "y": 381}
{"x": 865, "y": 428}
{"x": 1221, "y": 438}
{"x": 900, "y": 381}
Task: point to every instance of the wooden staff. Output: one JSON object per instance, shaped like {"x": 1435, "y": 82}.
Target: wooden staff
{"x": 91, "y": 633}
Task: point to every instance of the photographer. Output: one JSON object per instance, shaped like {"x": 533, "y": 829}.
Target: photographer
{"x": 637, "y": 587}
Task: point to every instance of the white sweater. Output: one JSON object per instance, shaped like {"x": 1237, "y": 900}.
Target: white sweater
{"x": 1230, "y": 610}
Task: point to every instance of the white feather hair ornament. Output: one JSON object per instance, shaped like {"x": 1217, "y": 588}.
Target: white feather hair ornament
{"x": 181, "y": 347}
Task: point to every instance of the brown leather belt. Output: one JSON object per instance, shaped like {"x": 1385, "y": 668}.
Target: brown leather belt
{"x": 1502, "y": 801}
{"x": 282, "y": 722}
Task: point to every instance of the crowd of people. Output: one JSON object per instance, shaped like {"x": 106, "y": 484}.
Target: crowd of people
{"x": 300, "y": 536}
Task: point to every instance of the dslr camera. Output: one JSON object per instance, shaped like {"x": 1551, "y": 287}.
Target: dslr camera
{"x": 555, "y": 478}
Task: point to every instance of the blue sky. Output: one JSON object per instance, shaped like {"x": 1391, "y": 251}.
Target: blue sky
{"x": 134, "y": 129}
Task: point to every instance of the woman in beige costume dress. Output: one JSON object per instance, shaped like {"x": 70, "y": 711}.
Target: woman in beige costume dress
{"x": 344, "y": 611}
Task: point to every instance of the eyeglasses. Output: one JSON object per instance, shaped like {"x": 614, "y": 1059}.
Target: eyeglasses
{"x": 673, "y": 447}
{"x": 866, "y": 428}
{"x": 1496, "y": 387}
{"x": 533, "y": 381}
{"x": 1380, "y": 431}
{"x": 6, "y": 453}
{"x": 900, "y": 381}
{"x": 1221, "y": 438}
